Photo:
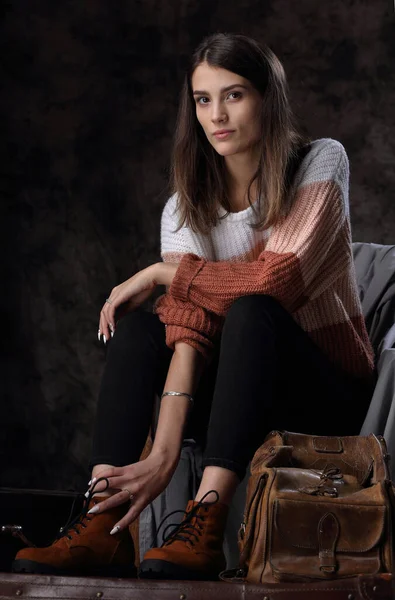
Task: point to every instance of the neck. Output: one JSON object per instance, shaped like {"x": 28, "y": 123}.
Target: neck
{"x": 240, "y": 170}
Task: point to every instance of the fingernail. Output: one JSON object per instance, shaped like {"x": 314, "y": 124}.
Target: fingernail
{"x": 93, "y": 481}
{"x": 115, "y": 529}
{"x": 98, "y": 335}
{"x": 86, "y": 494}
{"x": 111, "y": 327}
{"x": 104, "y": 339}
{"x": 112, "y": 334}
{"x": 93, "y": 510}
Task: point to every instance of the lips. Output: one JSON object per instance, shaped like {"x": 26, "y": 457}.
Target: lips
{"x": 223, "y": 133}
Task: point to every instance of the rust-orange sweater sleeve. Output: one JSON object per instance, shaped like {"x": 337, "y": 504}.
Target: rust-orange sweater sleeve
{"x": 184, "y": 320}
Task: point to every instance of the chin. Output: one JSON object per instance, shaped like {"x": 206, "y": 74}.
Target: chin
{"x": 225, "y": 151}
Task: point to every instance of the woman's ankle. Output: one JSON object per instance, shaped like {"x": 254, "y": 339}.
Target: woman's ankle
{"x": 220, "y": 480}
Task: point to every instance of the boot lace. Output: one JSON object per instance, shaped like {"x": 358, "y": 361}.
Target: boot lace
{"x": 190, "y": 527}
{"x": 74, "y": 524}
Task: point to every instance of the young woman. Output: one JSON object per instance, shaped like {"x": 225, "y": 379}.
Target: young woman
{"x": 260, "y": 325}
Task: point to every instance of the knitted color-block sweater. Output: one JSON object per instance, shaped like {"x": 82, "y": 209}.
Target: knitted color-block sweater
{"x": 305, "y": 262}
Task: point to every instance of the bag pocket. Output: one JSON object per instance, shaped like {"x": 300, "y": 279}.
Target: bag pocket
{"x": 325, "y": 540}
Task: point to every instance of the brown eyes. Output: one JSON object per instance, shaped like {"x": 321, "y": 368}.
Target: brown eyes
{"x": 205, "y": 100}
{"x": 199, "y": 100}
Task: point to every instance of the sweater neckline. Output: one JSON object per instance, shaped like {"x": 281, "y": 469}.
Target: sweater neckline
{"x": 237, "y": 216}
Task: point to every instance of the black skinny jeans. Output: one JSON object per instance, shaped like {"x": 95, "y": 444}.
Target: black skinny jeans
{"x": 266, "y": 374}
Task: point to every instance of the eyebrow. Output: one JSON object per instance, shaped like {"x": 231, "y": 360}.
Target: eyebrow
{"x": 224, "y": 89}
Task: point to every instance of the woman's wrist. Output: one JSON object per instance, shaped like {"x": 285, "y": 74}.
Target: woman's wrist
{"x": 168, "y": 457}
{"x": 164, "y": 273}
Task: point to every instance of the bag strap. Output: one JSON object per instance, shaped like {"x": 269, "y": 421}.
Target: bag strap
{"x": 381, "y": 458}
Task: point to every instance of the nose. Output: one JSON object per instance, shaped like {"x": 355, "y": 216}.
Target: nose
{"x": 218, "y": 113}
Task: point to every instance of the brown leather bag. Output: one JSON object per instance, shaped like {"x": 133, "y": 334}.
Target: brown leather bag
{"x": 317, "y": 508}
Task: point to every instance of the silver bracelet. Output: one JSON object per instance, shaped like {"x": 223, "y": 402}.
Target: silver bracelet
{"x": 178, "y": 394}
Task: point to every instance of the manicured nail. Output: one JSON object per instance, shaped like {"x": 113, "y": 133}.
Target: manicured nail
{"x": 98, "y": 335}
{"x": 111, "y": 327}
{"x": 104, "y": 339}
{"x": 112, "y": 334}
{"x": 93, "y": 481}
{"x": 115, "y": 529}
{"x": 86, "y": 494}
{"x": 93, "y": 510}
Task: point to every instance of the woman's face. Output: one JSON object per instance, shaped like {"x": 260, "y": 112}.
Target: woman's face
{"x": 226, "y": 101}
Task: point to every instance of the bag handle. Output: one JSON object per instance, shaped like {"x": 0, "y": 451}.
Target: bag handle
{"x": 366, "y": 455}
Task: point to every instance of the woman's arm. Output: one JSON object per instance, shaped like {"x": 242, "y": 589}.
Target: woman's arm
{"x": 146, "y": 479}
{"x": 185, "y": 322}
{"x": 183, "y": 376}
{"x": 306, "y": 252}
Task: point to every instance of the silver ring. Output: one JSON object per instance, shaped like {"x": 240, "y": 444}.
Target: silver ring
{"x": 108, "y": 301}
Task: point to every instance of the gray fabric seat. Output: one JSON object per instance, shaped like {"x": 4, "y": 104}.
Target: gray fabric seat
{"x": 375, "y": 268}
{"x": 375, "y": 271}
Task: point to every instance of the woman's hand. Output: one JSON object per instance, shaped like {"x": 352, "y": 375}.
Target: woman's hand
{"x": 140, "y": 482}
{"x": 133, "y": 292}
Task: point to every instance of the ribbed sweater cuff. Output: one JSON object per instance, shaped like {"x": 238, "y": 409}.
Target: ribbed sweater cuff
{"x": 188, "y": 268}
{"x": 175, "y": 333}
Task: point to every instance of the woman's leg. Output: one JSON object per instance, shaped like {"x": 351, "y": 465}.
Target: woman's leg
{"x": 271, "y": 376}
{"x": 136, "y": 368}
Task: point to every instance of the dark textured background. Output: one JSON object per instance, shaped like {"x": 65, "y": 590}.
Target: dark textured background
{"x": 89, "y": 94}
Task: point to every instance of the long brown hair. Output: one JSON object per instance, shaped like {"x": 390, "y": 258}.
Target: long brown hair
{"x": 198, "y": 171}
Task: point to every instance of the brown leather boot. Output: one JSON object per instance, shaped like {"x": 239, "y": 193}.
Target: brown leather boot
{"x": 85, "y": 547}
{"x": 193, "y": 550}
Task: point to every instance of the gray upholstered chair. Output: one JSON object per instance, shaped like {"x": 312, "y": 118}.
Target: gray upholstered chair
{"x": 375, "y": 268}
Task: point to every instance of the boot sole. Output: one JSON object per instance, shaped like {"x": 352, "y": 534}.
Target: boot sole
{"x": 161, "y": 569}
{"x": 24, "y": 565}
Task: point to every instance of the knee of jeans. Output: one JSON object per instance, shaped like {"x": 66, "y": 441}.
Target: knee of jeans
{"x": 135, "y": 324}
{"x": 250, "y": 307}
